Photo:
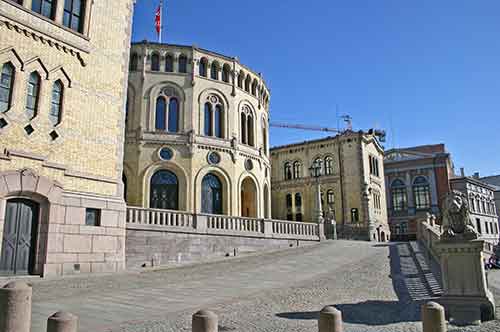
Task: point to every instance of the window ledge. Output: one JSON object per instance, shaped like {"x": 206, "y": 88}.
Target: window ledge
{"x": 44, "y": 30}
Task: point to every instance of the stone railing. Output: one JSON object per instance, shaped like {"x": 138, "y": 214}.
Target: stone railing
{"x": 429, "y": 234}
{"x": 183, "y": 222}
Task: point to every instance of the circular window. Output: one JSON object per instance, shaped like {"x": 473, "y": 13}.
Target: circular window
{"x": 248, "y": 165}
{"x": 166, "y": 154}
{"x": 213, "y": 158}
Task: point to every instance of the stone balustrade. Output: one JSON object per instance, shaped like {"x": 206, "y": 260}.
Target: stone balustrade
{"x": 429, "y": 234}
{"x": 176, "y": 221}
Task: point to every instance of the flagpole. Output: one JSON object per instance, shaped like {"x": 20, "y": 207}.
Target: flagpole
{"x": 161, "y": 21}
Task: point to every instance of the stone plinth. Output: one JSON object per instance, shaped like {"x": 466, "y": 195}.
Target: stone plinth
{"x": 466, "y": 298}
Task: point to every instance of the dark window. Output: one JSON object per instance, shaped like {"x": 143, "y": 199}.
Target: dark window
{"x": 32, "y": 95}
{"x": 318, "y": 164}
{"x": 92, "y": 217}
{"x": 296, "y": 170}
{"x": 298, "y": 217}
{"x": 55, "y": 113}
{"x": 164, "y": 191}
{"x": 211, "y": 195}
{"x": 44, "y": 7}
{"x": 243, "y": 128}
{"x": 298, "y": 201}
{"x": 289, "y": 201}
{"x": 421, "y": 192}
{"x": 182, "y": 64}
{"x": 161, "y": 114}
{"x": 6, "y": 85}
{"x": 203, "y": 67}
{"x": 241, "y": 78}
{"x": 264, "y": 138}
{"x": 218, "y": 121}
{"x": 214, "y": 71}
{"x": 328, "y": 166}
{"x": 173, "y": 115}
{"x": 251, "y": 141}
{"x": 288, "y": 171}
{"x": 134, "y": 61}
{"x": 73, "y": 14}
{"x": 354, "y": 215}
{"x": 478, "y": 225}
{"x": 399, "y": 199}
{"x": 248, "y": 81}
{"x": 330, "y": 197}
{"x": 254, "y": 87}
{"x": 155, "y": 62}
{"x": 225, "y": 73}
{"x": 289, "y": 217}
{"x": 208, "y": 120}
{"x": 169, "y": 63}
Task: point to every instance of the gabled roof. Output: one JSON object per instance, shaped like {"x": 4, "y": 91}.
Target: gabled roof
{"x": 415, "y": 153}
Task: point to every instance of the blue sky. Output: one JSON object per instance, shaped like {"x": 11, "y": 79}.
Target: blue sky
{"x": 426, "y": 71}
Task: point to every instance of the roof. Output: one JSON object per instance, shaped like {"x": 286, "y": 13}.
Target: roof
{"x": 415, "y": 153}
{"x": 493, "y": 180}
{"x": 473, "y": 180}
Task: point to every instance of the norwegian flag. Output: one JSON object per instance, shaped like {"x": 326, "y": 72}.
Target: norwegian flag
{"x": 158, "y": 20}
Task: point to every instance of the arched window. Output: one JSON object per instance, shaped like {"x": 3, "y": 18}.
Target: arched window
{"x": 32, "y": 95}
{"x": 208, "y": 119}
{"x": 399, "y": 197}
{"x": 296, "y": 169}
{"x": 134, "y": 60}
{"x": 251, "y": 140}
{"x": 203, "y": 67}
{"x": 218, "y": 121}
{"x": 243, "y": 126}
{"x": 421, "y": 191}
{"x": 155, "y": 62}
{"x": 169, "y": 63}
{"x": 55, "y": 114}
{"x": 73, "y": 14}
{"x": 173, "y": 115}
{"x": 211, "y": 195}
{"x": 182, "y": 64}
{"x": 241, "y": 78}
{"x": 44, "y": 7}
{"x": 214, "y": 71}
{"x": 6, "y": 86}
{"x": 328, "y": 166}
{"x": 248, "y": 81}
{"x": 164, "y": 191}
{"x": 226, "y": 72}
{"x": 288, "y": 171}
{"x": 161, "y": 114}
{"x": 289, "y": 207}
{"x": 330, "y": 197}
{"x": 264, "y": 137}
{"x": 298, "y": 207}
{"x": 472, "y": 206}
{"x": 318, "y": 162}
{"x": 254, "y": 87}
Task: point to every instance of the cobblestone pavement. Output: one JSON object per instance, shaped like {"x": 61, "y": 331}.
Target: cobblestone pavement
{"x": 378, "y": 287}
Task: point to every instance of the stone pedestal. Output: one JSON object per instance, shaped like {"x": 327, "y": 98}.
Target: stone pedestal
{"x": 466, "y": 298}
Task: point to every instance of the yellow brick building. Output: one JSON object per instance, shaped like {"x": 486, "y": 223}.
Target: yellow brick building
{"x": 63, "y": 70}
{"x": 352, "y": 183}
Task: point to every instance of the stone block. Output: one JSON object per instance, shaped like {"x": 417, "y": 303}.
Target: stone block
{"x": 116, "y": 206}
{"x": 77, "y": 243}
{"x": 72, "y": 201}
{"x": 44, "y": 186}
{"x": 60, "y": 258}
{"x": 93, "y": 203}
{"x": 55, "y": 242}
{"x": 13, "y": 181}
{"x": 28, "y": 181}
{"x": 75, "y": 215}
{"x": 117, "y": 257}
{"x": 109, "y": 218}
{"x": 99, "y": 257}
{"x": 112, "y": 231}
{"x": 52, "y": 270}
{"x": 69, "y": 229}
{"x": 106, "y": 244}
{"x": 92, "y": 230}
{"x": 57, "y": 214}
{"x": 70, "y": 268}
{"x": 103, "y": 267}
{"x": 3, "y": 187}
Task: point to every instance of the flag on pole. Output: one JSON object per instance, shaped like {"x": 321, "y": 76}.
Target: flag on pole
{"x": 158, "y": 21}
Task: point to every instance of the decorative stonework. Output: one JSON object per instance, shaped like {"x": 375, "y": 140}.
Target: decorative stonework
{"x": 456, "y": 219}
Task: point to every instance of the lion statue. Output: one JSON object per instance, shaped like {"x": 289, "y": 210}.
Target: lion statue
{"x": 456, "y": 219}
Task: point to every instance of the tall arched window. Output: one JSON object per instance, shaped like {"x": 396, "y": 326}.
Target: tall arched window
{"x": 214, "y": 71}
{"x": 298, "y": 207}
{"x": 330, "y": 197}
{"x": 288, "y": 171}
{"x": 218, "y": 121}
{"x": 32, "y": 95}
{"x": 134, "y": 60}
{"x": 247, "y": 126}
{"x": 254, "y": 87}
{"x": 328, "y": 166}
{"x": 211, "y": 195}
{"x": 248, "y": 81}
{"x": 421, "y": 192}
{"x": 241, "y": 78}
{"x": 164, "y": 191}
{"x": 55, "y": 113}
{"x": 161, "y": 114}
{"x": 169, "y": 63}
{"x": 182, "y": 63}
{"x": 226, "y": 72}
{"x": 264, "y": 137}
{"x": 296, "y": 169}
{"x": 250, "y": 133}
{"x": 214, "y": 117}
{"x": 155, "y": 62}
{"x": 208, "y": 119}
{"x": 318, "y": 162}
{"x": 173, "y": 115}
{"x": 399, "y": 197}
{"x": 203, "y": 67}
{"x": 289, "y": 207}
{"x": 6, "y": 86}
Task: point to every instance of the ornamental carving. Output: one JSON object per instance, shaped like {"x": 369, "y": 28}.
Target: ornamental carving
{"x": 456, "y": 219}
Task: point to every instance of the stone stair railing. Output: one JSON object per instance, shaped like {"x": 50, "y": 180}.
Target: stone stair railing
{"x": 184, "y": 222}
{"x": 429, "y": 234}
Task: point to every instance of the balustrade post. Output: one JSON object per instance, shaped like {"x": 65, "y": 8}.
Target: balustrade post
{"x": 201, "y": 223}
{"x": 267, "y": 227}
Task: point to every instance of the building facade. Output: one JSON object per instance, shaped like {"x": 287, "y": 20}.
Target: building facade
{"x": 482, "y": 206}
{"x": 417, "y": 180}
{"x": 352, "y": 183}
{"x": 63, "y": 67}
{"x": 196, "y": 133}
{"x": 494, "y": 182}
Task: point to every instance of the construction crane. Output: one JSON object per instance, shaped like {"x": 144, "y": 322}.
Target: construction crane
{"x": 376, "y": 132}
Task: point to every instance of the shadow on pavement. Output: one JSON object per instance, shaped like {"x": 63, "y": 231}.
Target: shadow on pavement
{"x": 306, "y": 315}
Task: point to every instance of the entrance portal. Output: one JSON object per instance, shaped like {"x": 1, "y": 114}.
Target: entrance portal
{"x": 248, "y": 198}
{"x": 19, "y": 237}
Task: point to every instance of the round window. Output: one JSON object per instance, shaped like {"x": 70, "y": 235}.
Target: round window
{"x": 166, "y": 154}
{"x": 248, "y": 165}
{"x": 213, "y": 158}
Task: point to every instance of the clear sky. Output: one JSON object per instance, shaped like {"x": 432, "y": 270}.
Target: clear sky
{"x": 426, "y": 71}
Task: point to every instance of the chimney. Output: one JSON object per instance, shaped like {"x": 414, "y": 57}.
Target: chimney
{"x": 462, "y": 172}
{"x": 476, "y": 175}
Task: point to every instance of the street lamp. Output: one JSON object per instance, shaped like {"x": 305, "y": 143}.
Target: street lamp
{"x": 315, "y": 171}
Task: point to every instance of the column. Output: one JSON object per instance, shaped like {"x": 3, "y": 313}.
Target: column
{"x": 59, "y": 11}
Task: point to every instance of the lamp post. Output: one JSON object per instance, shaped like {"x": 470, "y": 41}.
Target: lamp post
{"x": 315, "y": 170}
